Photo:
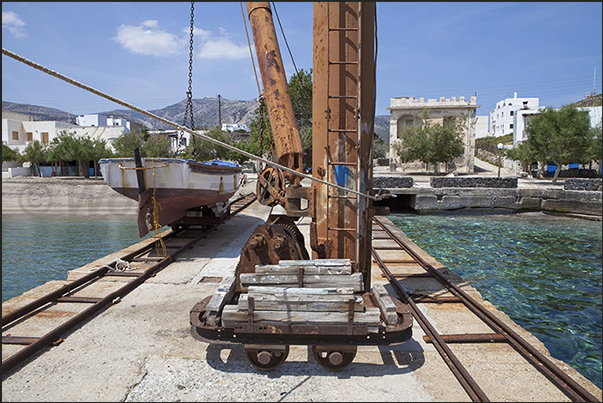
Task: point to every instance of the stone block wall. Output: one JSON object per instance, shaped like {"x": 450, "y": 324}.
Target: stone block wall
{"x": 472, "y": 182}
{"x": 392, "y": 182}
{"x": 593, "y": 184}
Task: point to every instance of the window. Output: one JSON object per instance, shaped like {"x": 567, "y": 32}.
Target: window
{"x": 15, "y": 135}
{"x": 511, "y": 113}
{"x": 44, "y": 137}
{"x": 511, "y": 126}
{"x": 29, "y": 136}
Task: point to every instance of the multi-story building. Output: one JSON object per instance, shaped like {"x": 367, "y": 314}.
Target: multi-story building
{"x": 502, "y": 118}
{"x": 405, "y": 111}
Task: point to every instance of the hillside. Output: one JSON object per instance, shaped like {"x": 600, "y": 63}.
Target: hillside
{"x": 205, "y": 114}
{"x": 590, "y": 100}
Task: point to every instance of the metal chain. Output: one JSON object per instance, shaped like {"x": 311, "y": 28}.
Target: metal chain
{"x": 189, "y": 94}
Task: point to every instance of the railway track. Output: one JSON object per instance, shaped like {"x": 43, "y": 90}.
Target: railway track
{"x": 385, "y": 230}
{"x": 138, "y": 266}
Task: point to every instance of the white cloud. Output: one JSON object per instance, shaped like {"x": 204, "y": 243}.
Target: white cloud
{"x": 149, "y": 39}
{"x": 222, "y": 48}
{"x": 150, "y": 23}
{"x": 14, "y": 24}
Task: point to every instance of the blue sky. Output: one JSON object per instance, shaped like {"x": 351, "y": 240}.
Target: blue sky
{"x": 138, "y": 52}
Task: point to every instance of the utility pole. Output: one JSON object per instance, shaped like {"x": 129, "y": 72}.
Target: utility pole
{"x": 219, "y": 112}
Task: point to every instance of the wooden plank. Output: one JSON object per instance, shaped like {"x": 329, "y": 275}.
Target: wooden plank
{"x": 300, "y": 302}
{"x": 227, "y": 284}
{"x": 307, "y": 269}
{"x": 261, "y": 290}
{"x": 386, "y": 304}
{"x": 225, "y": 292}
{"x": 231, "y": 315}
{"x": 318, "y": 262}
{"x": 353, "y": 280}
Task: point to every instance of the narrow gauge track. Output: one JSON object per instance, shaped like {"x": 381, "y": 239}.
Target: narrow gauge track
{"x": 502, "y": 332}
{"x": 146, "y": 266}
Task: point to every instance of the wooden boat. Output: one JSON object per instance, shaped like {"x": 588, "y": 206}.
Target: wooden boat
{"x": 166, "y": 188}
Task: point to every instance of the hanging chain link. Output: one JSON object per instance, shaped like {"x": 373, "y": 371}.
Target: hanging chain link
{"x": 189, "y": 94}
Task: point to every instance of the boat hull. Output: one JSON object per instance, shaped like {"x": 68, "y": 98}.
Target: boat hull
{"x": 170, "y": 186}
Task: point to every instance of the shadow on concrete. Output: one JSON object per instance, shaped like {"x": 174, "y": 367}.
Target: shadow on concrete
{"x": 398, "y": 359}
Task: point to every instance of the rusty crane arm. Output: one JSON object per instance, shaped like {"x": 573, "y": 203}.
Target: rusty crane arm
{"x": 276, "y": 91}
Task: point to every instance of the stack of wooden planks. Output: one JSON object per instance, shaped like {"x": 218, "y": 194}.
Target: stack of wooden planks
{"x": 322, "y": 291}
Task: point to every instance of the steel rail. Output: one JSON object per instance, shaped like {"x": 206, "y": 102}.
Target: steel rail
{"x": 461, "y": 373}
{"x": 37, "y": 344}
{"x": 559, "y": 378}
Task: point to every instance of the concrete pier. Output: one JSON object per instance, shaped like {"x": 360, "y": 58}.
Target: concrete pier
{"x": 141, "y": 349}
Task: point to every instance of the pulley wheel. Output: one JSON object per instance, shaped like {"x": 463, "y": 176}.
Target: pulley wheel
{"x": 271, "y": 187}
{"x": 336, "y": 359}
{"x": 266, "y": 360}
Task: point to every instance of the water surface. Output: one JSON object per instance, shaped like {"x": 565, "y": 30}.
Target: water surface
{"x": 543, "y": 271}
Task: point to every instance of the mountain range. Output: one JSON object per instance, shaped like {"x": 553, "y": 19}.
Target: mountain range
{"x": 205, "y": 114}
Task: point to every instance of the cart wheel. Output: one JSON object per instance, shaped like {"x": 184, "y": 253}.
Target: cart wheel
{"x": 334, "y": 358}
{"x": 266, "y": 360}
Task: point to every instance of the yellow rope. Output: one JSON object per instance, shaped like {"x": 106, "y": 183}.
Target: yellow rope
{"x": 156, "y": 207}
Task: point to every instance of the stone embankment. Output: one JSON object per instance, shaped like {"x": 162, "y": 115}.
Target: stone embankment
{"x": 576, "y": 196}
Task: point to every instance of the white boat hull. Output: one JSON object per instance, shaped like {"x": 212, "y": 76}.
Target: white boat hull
{"x": 171, "y": 186}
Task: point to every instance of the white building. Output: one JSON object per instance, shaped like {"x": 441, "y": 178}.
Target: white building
{"x": 481, "y": 127}
{"x": 18, "y": 130}
{"x": 231, "y": 127}
{"x": 502, "y": 117}
{"x": 405, "y": 110}
{"x": 98, "y": 120}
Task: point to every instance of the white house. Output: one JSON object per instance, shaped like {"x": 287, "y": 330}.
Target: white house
{"x": 404, "y": 111}
{"x": 98, "y": 120}
{"x": 502, "y": 117}
{"x": 231, "y": 127}
{"x": 18, "y": 131}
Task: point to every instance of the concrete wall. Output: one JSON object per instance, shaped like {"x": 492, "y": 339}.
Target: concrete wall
{"x": 538, "y": 198}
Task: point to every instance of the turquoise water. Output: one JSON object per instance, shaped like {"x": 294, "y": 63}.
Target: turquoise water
{"x": 543, "y": 271}
{"x": 37, "y": 250}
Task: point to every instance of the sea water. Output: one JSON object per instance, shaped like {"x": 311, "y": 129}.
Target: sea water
{"x": 543, "y": 271}
{"x": 38, "y": 249}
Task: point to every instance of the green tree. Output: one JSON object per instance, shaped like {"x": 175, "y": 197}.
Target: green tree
{"x": 431, "y": 143}
{"x": 10, "y": 154}
{"x": 36, "y": 152}
{"x": 380, "y": 147}
{"x": 261, "y": 131}
{"x": 260, "y": 142}
{"x": 522, "y": 153}
{"x": 203, "y": 150}
{"x": 561, "y": 136}
{"x": 156, "y": 147}
{"x": 69, "y": 147}
{"x": 99, "y": 150}
{"x": 125, "y": 144}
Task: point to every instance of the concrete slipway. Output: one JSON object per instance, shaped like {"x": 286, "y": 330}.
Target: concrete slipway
{"x": 141, "y": 349}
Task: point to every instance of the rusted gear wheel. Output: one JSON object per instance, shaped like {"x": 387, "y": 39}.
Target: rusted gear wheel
{"x": 334, "y": 359}
{"x": 266, "y": 360}
{"x": 271, "y": 187}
